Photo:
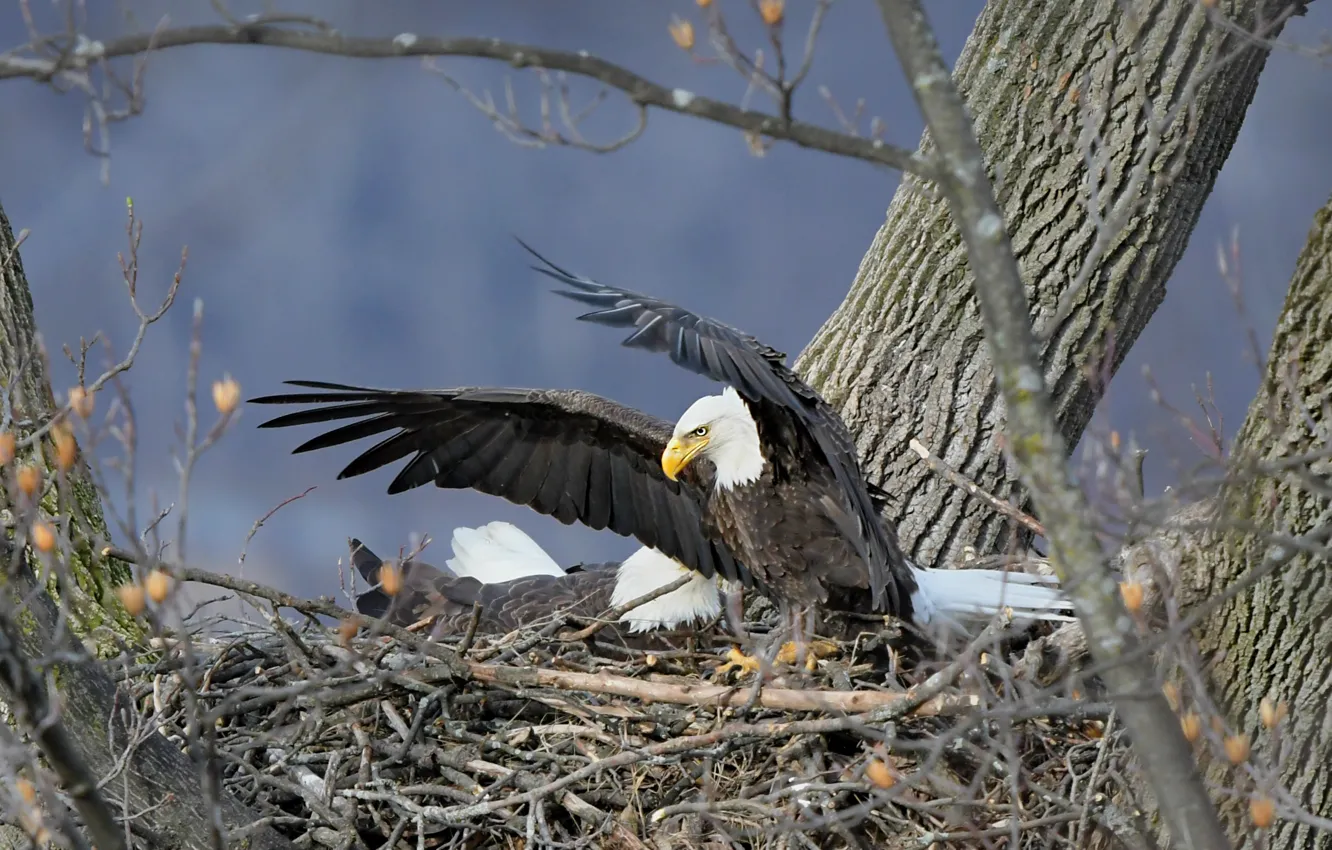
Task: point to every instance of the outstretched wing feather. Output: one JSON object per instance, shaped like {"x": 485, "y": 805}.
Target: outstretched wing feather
{"x": 760, "y": 375}
{"x": 572, "y": 455}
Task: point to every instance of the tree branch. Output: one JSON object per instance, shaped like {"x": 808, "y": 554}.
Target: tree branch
{"x": 324, "y": 39}
{"x": 27, "y": 693}
{"x": 160, "y": 783}
{"x": 1036, "y": 442}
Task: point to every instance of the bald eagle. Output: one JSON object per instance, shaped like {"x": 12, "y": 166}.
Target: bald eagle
{"x": 583, "y": 458}
{"x": 760, "y": 485}
{"x": 520, "y": 586}
{"x": 788, "y": 497}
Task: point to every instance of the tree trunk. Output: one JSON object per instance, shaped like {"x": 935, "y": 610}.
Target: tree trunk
{"x": 1274, "y": 639}
{"x": 904, "y": 356}
{"x": 87, "y": 738}
{"x": 96, "y": 613}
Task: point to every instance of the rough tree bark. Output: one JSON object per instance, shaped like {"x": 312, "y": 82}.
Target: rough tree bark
{"x": 90, "y": 736}
{"x": 98, "y": 617}
{"x": 904, "y": 355}
{"x": 1275, "y": 639}
{"x": 156, "y": 778}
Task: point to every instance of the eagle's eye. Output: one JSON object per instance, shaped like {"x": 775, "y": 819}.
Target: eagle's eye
{"x": 701, "y": 431}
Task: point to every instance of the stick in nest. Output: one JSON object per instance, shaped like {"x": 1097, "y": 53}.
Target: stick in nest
{"x": 966, "y": 485}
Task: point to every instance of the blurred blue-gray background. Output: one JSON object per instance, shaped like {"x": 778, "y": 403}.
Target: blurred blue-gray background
{"x": 351, "y": 220}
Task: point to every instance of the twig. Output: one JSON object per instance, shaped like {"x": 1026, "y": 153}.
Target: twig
{"x": 615, "y": 613}
{"x": 472, "y": 626}
{"x": 960, "y": 481}
{"x": 781, "y": 699}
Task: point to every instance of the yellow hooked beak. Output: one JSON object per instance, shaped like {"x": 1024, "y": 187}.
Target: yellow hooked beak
{"x": 679, "y": 452}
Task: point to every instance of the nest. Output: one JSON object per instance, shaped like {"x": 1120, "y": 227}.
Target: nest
{"x": 342, "y": 740}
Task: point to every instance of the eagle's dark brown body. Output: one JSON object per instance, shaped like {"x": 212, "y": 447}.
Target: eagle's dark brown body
{"x": 792, "y": 543}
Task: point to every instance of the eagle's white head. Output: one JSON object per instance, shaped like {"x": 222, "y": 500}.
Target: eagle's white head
{"x": 721, "y": 429}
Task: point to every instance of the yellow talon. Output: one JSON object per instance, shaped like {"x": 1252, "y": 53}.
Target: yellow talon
{"x": 746, "y": 664}
{"x": 813, "y": 652}
{"x": 735, "y": 659}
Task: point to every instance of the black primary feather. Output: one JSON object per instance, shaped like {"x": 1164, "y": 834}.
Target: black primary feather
{"x": 569, "y": 454}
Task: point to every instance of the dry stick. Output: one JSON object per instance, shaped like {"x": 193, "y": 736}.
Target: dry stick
{"x": 640, "y": 90}
{"x": 601, "y": 683}
{"x": 655, "y": 690}
{"x": 773, "y": 729}
{"x": 1036, "y": 443}
{"x": 472, "y": 625}
{"x": 966, "y": 485}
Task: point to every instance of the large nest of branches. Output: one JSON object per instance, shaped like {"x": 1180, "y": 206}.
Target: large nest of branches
{"x": 354, "y": 737}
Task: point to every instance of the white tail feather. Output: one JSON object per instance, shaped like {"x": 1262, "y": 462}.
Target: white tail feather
{"x": 645, "y": 571}
{"x": 498, "y": 552}
{"x": 980, "y": 594}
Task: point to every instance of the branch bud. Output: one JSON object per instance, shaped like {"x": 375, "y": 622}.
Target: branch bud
{"x": 1263, "y": 811}
{"x": 880, "y": 774}
{"x": 158, "y": 585}
{"x": 772, "y": 11}
{"x": 390, "y": 580}
{"x": 1191, "y": 723}
{"x": 1271, "y": 713}
{"x": 29, "y": 480}
{"x": 67, "y": 450}
{"x": 226, "y": 395}
{"x": 683, "y": 33}
{"x": 132, "y": 597}
{"x": 81, "y": 402}
{"x": 1171, "y": 691}
{"x": 1237, "y": 748}
{"x": 347, "y": 629}
{"x": 1132, "y": 593}
{"x": 43, "y": 537}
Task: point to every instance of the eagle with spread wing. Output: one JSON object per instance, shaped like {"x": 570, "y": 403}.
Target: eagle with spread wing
{"x": 759, "y": 485}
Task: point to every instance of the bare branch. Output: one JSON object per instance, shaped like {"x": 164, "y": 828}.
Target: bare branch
{"x": 640, "y": 90}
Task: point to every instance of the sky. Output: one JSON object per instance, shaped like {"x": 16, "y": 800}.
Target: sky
{"x": 352, "y": 220}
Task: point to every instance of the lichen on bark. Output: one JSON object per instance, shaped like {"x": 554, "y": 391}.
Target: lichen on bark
{"x": 96, "y": 614}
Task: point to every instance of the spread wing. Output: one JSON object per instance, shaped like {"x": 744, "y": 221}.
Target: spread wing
{"x": 790, "y": 414}
{"x": 528, "y": 602}
{"x": 572, "y": 455}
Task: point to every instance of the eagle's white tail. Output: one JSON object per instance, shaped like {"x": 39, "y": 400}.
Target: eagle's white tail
{"x": 498, "y": 552}
{"x": 648, "y": 569}
{"x": 980, "y": 594}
